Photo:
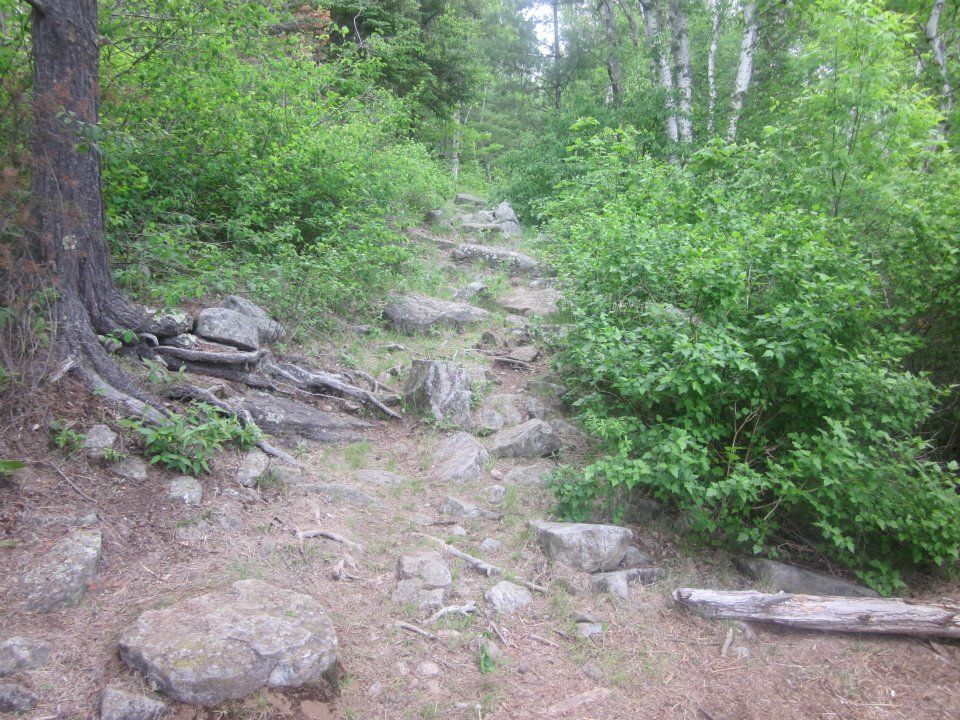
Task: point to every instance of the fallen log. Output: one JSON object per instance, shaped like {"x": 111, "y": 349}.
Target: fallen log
{"x": 887, "y": 616}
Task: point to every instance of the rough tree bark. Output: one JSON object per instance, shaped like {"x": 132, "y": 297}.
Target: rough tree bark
{"x": 715, "y": 14}
{"x": 613, "y": 61}
{"x": 660, "y": 59}
{"x": 744, "y": 67}
{"x": 631, "y": 22}
{"x": 939, "y": 52}
{"x": 680, "y": 45}
{"x": 68, "y": 203}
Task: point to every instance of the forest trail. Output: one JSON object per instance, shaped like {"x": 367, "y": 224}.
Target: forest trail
{"x": 362, "y": 526}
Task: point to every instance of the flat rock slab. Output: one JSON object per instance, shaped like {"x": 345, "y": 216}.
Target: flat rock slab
{"x": 792, "y": 579}
{"x": 118, "y": 703}
{"x": 185, "y": 489}
{"x": 584, "y": 546}
{"x": 459, "y": 457}
{"x": 420, "y": 314}
{"x": 507, "y": 598}
{"x": 537, "y": 474}
{"x": 132, "y": 468}
{"x": 495, "y": 257}
{"x": 440, "y": 389}
{"x": 229, "y": 327}
{"x": 227, "y": 645}
{"x": 285, "y": 417}
{"x": 60, "y": 577}
{"x": 617, "y": 582}
{"x": 532, "y": 439}
{"x": 530, "y": 301}
{"x": 456, "y": 508}
{"x": 428, "y": 566}
{"x": 20, "y": 653}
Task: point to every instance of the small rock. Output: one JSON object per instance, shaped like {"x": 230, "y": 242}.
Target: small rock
{"x": 584, "y": 546}
{"x": 132, "y": 468}
{"x": 617, "y": 582}
{"x": 412, "y": 592}
{"x": 532, "y": 439}
{"x": 253, "y": 466}
{"x": 229, "y": 327}
{"x": 494, "y": 493}
{"x": 442, "y": 389}
{"x": 286, "y": 475}
{"x": 168, "y": 323}
{"x": 100, "y": 440}
{"x": 62, "y": 574}
{"x": 427, "y": 566}
{"x": 589, "y": 630}
{"x": 186, "y": 490}
{"x": 20, "y": 653}
{"x": 186, "y": 341}
{"x": 227, "y": 645}
{"x": 537, "y": 474}
{"x": 740, "y": 652}
{"x": 268, "y": 330}
{"x": 507, "y": 598}
{"x": 480, "y": 646}
{"x": 267, "y": 545}
{"x": 498, "y": 411}
{"x": 635, "y": 558}
{"x": 592, "y": 670}
{"x": 525, "y": 353}
{"x": 428, "y": 669}
{"x": 459, "y": 509}
{"x": 380, "y": 477}
{"x": 118, "y": 703}
{"x": 490, "y": 545}
{"x": 459, "y": 531}
{"x": 470, "y": 291}
{"x": 16, "y": 698}
{"x": 459, "y": 457}
{"x": 489, "y": 339}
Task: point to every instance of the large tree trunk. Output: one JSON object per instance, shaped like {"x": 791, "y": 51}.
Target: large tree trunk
{"x": 886, "y": 616}
{"x": 613, "y": 61}
{"x": 715, "y": 11}
{"x": 659, "y": 52}
{"x": 744, "y": 67}
{"x": 67, "y": 197}
{"x": 681, "y": 53}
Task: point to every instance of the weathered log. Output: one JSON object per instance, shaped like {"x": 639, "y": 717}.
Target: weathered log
{"x": 888, "y": 616}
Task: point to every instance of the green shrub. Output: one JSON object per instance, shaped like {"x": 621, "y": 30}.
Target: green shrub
{"x": 740, "y": 362}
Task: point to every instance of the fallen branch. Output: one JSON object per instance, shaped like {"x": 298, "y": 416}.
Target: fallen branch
{"x": 727, "y": 643}
{"x": 888, "y": 616}
{"x": 340, "y": 569}
{"x": 478, "y": 564}
{"x": 415, "y": 629}
{"x": 470, "y": 607}
{"x": 306, "y": 534}
{"x": 544, "y": 641}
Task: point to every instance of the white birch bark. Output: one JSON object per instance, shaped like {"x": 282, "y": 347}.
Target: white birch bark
{"x": 939, "y": 52}
{"x": 744, "y": 67}
{"x": 663, "y": 72}
{"x": 613, "y": 61}
{"x": 681, "y": 51}
{"x": 712, "y": 63}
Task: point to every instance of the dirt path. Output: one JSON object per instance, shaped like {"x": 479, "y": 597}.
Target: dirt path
{"x": 647, "y": 660}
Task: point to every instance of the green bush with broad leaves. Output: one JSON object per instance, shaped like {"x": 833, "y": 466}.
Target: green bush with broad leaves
{"x": 740, "y": 362}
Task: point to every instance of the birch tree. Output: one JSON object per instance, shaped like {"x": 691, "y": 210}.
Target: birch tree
{"x": 744, "y": 67}
{"x": 680, "y": 45}
{"x": 661, "y": 62}
{"x": 939, "y": 52}
{"x": 715, "y": 15}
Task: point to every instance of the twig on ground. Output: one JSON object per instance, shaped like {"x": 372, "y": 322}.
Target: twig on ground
{"x": 478, "y": 564}
{"x": 72, "y": 484}
{"x": 545, "y": 641}
{"x": 415, "y": 629}
{"x": 306, "y": 534}
{"x": 470, "y": 607}
{"x": 727, "y": 643}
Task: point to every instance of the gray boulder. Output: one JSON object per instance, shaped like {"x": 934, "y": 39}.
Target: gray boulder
{"x": 498, "y": 411}
{"x": 461, "y": 510}
{"x": 441, "y": 389}
{"x": 537, "y": 474}
{"x": 99, "y": 441}
{"x": 510, "y": 229}
{"x": 471, "y": 290}
{"x": 420, "y": 314}
{"x": 792, "y": 579}
{"x": 167, "y": 323}
{"x": 268, "y": 329}
{"x": 20, "y": 653}
{"x": 529, "y": 301}
{"x": 118, "y": 703}
{"x": 490, "y": 545}
{"x": 617, "y": 582}
{"x": 285, "y": 417}
{"x": 225, "y": 646}
{"x": 253, "y": 466}
{"x": 186, "y": 490}
{"x": 132, "y": 468}
{"x": 584, "y": 546}
{"x": 507, "y": 598}
{"x": 16, "y": 698}
{"x": 532, "y": 439}
{"x": 423, "y": 580}
{"x": 495, "y": 257}
{"x": 634, "y": 557}
{"x": 459, "y": 457}
{"x": 504, "y": 213}
{"x": 60, "y": 577}
{"x": 525, "y": 353}
{"x": 229, "y": 327}
{"x": 467, "y": 199}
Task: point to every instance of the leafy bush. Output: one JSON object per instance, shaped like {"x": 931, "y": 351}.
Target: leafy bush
{"x": 186, "y": 443}
{"x": 739, "y": 361}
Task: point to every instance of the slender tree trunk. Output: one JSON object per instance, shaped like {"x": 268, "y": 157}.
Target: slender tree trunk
{"x": 67, "y": 196}
{"x": 715, "y": 11}
{"x": 557, "y": 91}
{"x": 681, "y": 53}
{"x": 663, "y": 73}
{"x": 613, "y": 61}
{"x": 939, "y": 53}
{"x": 455, "y": 146}
{"x": 744, "y": 67}
{"x": 631, "y": 22}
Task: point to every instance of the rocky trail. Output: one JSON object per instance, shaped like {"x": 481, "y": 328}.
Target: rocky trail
{"x": 389, "y": 552}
